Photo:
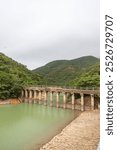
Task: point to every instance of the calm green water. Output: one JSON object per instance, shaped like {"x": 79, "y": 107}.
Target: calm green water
{"x": 27, "y": 126}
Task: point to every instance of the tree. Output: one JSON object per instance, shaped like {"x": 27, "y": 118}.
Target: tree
{"x": 90, "y": 78}
{"x": 13, "y": 76}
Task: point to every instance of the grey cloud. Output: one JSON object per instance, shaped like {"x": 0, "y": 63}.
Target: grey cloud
{"x": 35, "y": 32}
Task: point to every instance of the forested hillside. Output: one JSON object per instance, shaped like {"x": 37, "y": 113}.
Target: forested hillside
{"x": 61, "y": 72}
{"x": 89, "y": 78}
{"x": 84, "y": 71}
{"x": 13, "y": 76}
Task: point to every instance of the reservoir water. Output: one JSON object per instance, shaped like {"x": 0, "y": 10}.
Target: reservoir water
{"x": 28, "y": 126}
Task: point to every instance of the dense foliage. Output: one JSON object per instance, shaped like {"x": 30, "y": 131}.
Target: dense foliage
{"x": 89, "y": 78}
{"x": 84, "y": 71}
{"x": 61, "y": 72}
{"x": 13, "y": 76}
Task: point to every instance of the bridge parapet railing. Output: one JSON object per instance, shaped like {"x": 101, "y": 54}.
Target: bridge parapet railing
{"x": 65, "y": 87}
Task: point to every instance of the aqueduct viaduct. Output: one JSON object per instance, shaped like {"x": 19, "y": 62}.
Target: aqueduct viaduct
{"x": 62, "y": 97}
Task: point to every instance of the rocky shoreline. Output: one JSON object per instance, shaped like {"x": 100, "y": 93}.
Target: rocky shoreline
{"x": 83, "y": 133}
{"x": 10, "y": 101}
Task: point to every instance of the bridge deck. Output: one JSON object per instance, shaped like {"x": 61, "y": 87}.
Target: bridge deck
{"x": 59, "y": 89}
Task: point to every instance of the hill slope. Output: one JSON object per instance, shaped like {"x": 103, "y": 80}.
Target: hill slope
{"x": 60, "y": 72}
{"x": 90, "y": 78}
{"x": 13, "y": 76}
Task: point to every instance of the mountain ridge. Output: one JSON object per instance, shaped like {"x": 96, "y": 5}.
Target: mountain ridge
{"x": 60, "y": 72}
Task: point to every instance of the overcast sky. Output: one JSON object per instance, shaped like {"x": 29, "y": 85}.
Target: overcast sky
{"x": 35, "y": 32}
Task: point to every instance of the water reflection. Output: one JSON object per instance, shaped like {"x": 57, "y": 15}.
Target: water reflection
{"x": 23, "y": 126}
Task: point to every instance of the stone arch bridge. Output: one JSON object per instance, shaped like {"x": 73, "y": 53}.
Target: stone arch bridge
{"x": 62, "y": 97}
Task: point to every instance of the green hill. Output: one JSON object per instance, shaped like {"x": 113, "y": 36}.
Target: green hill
{"x": 13, "y": 76}
{"x": 89, "y": 78}
{"x": 61, "y": 72}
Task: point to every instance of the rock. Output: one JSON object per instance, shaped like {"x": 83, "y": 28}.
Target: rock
{"x": 81, "y": 134}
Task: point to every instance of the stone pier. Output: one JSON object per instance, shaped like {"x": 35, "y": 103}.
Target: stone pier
{"x": 35, "y": 96}
{"x": 73, "y": 101}
{"x": 40, "y": 97}
{"x": 30, "y": 96}
{"x": 45, "y": 98}
{"x": 26, "y": 96}
{"x": 51, "y": 99}
{"x": 64, "y": 100}
{"x": 57, "y": 99}
{"x": 82, "y": 101}
{"x": 70, "y": 98}
{"x": 92, "y": 102}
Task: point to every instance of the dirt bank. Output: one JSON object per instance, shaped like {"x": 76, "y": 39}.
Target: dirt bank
{"x": 10, "y": 101}
{"x": 80, "y": 134}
